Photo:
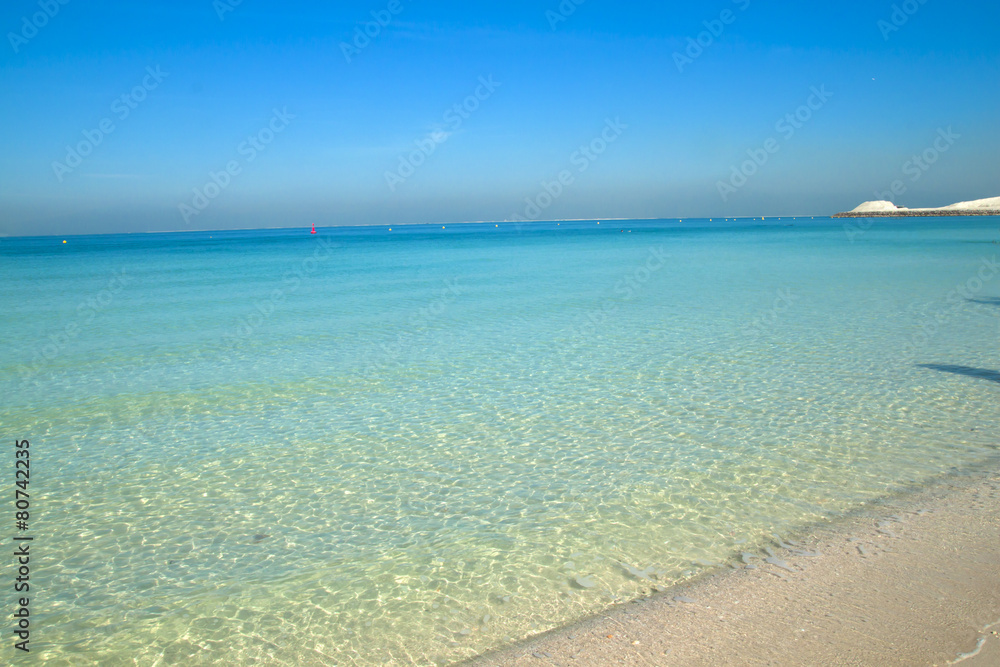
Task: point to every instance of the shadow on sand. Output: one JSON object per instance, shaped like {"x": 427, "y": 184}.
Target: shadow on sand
{"x": 987, "y": 300}
{"x": 981, "y": 373}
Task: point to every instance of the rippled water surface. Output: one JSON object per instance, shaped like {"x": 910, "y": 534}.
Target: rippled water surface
{"x": 372, "y": 447}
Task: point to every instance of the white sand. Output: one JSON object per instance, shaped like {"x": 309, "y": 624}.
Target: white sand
{"x": 992, "y": 204}
{"x": 910, "y": 581}
{"x": 882, "y": 206}
{"x": 875, "y": 207}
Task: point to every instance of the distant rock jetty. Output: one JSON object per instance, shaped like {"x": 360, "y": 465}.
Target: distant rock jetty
{"x": 886, "y": 209}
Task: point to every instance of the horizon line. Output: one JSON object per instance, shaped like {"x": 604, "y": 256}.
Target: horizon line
{"x": 416, "y": 224}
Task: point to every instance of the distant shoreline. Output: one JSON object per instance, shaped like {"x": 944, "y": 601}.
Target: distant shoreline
{"x": 905, "y": 213}
{"x": 887, "y": 209}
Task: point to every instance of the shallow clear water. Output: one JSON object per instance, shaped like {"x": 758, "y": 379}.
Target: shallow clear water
{"x": 373, "y": 447}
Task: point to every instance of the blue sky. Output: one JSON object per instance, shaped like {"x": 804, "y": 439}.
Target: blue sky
{"x": 276, "y": 72}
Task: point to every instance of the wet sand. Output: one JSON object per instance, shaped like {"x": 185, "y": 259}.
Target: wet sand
{"x": 912, "y": 580}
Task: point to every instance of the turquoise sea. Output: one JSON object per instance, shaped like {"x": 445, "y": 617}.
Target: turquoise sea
{"x": 371, "y": 447}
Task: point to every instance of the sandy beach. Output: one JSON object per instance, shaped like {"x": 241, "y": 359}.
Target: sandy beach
{"x": 908, "y": 580}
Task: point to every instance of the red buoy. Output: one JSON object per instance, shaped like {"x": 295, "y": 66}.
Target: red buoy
{"x": 314, "y": 228}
